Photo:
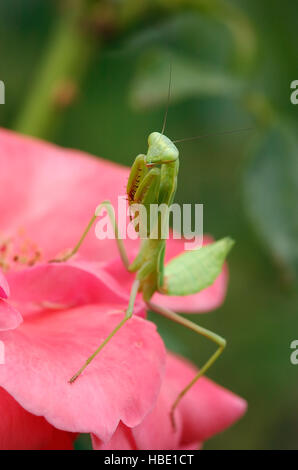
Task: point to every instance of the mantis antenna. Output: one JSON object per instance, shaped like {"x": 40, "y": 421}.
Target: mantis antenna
{"x": 187, "y": 139}
{"x": 213, "y": 134}
{"x": 168, "y": 101}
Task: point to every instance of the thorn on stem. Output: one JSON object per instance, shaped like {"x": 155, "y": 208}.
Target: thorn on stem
{"x": 65, "y": 93}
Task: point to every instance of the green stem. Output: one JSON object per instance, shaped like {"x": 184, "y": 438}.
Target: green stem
{"x": 60, "y": 72}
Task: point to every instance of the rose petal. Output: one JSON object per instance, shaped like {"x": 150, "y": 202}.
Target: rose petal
{"x": 66, "y": 285}
{"x": 10, "y": 318}
{"x": 122, "y": 440}
{"x": 20, "y": 430}
{"x": 122, "y": 383}
{"x": 207, "y": 408}
{"x": 191, "y": 446}
{"x": 156, "y": 431}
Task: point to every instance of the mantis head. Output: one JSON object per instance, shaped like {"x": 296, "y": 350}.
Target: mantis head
{"x": 160, "y": 150}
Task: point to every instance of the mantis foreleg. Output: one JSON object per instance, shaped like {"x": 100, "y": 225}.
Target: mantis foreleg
{"x": 200, "y": 330}
{"x": 109, "y": 208}
{"x": 127, "y": 316}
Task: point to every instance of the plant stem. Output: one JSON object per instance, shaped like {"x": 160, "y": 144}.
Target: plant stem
{"x": 61, "y": 69}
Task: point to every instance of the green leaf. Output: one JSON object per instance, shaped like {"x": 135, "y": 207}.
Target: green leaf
{"x": 150, "y": 87}
{"x": 271, "y": 195}
{"x": 195, "y": 270}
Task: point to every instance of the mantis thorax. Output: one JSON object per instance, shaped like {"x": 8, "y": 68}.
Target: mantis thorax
{"x": 153, "y": 180}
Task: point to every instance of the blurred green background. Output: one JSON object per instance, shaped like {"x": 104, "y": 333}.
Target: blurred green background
{"x": 93, "y": 75}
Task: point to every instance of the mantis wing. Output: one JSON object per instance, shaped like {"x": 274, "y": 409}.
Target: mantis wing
{"x": 194, "y": 270}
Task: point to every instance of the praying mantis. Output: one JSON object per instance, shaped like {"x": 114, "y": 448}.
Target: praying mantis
{"x": 153, "y": 180}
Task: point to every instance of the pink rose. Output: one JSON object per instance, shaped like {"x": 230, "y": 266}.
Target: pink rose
{"x": 47, "y": 195}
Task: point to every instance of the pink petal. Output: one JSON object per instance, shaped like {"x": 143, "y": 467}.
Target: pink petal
{"x": 122, "y": 383}
{"x": 20, "y": 430}
{"x": 58, "y": 286}
{"x": 207, "y": 408}
{"x": 10, "y": 318}
{"x": 156, "y": 431}
{"x": 122, "y": 440}
{"x": 206, "y": 300}
{"x": 4, "y": 287}
{"x": 191, "y": 446}
{"x": 204, "y": 411}
{"x": 54, "y": 194}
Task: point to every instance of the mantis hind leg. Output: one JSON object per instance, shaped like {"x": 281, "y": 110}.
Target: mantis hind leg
{"x": 127, "y": 316}
{"x": 110, "y": 210}
{"x": 221, "y": 342}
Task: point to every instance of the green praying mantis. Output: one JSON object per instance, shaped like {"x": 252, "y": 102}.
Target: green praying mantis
{"x": 153, "y": 180}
